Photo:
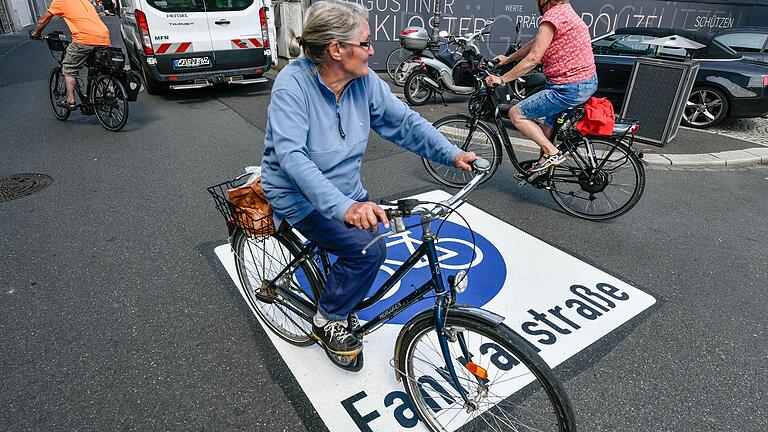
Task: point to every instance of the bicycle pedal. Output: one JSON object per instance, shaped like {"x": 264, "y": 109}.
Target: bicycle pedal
{"x": 352, "y": 363}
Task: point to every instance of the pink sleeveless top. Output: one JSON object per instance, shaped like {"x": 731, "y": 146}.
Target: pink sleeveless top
{"x": 569, "y": 57}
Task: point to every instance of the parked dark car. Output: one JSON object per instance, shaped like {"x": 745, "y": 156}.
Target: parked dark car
{"x": 750, "y": 42}
{"x": 727, "y": 84}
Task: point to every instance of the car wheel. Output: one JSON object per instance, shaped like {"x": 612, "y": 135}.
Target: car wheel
{"x": 706, "y": 107}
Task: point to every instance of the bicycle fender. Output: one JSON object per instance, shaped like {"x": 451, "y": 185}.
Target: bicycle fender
{"x": 487, "y": 317}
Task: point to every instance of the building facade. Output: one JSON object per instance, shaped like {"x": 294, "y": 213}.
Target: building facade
{"x": 16, "y": 14}
{"x": 388, "y": 17}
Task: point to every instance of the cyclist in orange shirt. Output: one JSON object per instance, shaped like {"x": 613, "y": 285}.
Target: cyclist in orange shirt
{"x": 88, "y": 33}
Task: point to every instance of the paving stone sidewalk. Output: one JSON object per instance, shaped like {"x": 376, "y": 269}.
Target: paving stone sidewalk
{"x": 754, "y": 130}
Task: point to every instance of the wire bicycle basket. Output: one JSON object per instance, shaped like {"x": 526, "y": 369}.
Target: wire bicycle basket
{"x": 254, "y": 222}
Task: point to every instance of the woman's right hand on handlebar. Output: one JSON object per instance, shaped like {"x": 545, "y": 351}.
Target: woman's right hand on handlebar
{"x": 493, "y": 81}
{"x": 501, "y": 59}
{"x": 366, "y": 215}
{"x": 463, "y": 161}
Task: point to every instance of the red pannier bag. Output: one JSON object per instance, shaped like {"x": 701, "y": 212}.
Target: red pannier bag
{"x": 598, "y": 117}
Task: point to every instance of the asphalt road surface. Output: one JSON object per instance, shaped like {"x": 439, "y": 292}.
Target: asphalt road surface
{"x": 116, "y": 315}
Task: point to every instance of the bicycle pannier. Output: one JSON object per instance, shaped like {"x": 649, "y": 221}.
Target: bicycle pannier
{"x": 250, "y": 209}
{"x": 109, "y": 58}
{"x": 132, "y": 83}
{"x": 464, "y": 73}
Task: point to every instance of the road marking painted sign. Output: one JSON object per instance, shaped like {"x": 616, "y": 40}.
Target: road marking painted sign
{"x": 560, "y": 304}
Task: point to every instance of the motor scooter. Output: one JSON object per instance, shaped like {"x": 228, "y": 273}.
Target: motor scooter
{"x": 453, "y": 72}
{"x": 428, "y": 76}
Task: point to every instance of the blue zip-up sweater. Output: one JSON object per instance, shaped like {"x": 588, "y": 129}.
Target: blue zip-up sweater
{"x": 314, "y": 146}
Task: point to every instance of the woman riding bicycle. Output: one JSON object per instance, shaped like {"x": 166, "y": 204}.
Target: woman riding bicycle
{"x": 88, "y": 34}
{"x": 319, "y": 120}
{"x": 563, "y": 46}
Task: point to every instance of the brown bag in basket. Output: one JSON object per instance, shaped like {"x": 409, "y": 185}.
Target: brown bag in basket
{"x": 252, "y": 212}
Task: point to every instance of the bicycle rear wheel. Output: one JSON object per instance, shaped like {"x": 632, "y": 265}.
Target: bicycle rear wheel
{"x": 287, "y": 306}
{"x": 479, "y": 139}
{"x": 57, "y": 92}
{"x": 110, "y": 102}
{"x": 600, "y": 190}
{"x": 509, "y": 386}
{"x": 394, "y": 59}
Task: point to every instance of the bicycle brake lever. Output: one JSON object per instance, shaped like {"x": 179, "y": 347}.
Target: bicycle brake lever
{"x": 375, "y": 239}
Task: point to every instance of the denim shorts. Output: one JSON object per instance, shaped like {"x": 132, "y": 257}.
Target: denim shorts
{"x": 556, "y": 98}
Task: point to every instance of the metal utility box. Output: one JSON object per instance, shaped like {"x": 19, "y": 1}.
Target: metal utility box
{"x": 657, "y": 93}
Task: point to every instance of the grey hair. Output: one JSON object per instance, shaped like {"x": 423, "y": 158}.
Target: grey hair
{"x": 324, "y": 22}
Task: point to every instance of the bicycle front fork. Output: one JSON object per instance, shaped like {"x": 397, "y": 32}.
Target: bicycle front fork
{"x": 444, "y": 336}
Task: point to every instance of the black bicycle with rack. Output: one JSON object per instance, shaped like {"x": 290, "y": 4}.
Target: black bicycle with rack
{"x": 602, "y": 178}
{"x": 462, "y": 367}
{"x": 108, "y": 88}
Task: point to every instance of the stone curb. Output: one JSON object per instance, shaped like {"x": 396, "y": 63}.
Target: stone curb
{"x": 731, "y": 158}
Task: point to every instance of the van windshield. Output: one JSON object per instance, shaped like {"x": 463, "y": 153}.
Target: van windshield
{"x": 178, "y": 5}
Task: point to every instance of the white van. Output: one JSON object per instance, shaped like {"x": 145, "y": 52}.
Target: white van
{"x": 185, "y": 44}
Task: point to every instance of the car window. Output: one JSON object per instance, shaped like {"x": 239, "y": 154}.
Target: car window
{"x": 634, "y": 46}
{"x": 744, "y": 42}
{"x": 227, "y": 5}
{"x": 622, "y": 45}
{"x": 178, "y": 5}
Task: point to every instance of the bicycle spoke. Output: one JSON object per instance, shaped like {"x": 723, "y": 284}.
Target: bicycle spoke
{"x": 604, "y": 191}
{"x": 503, "y": 403}
{"x": 260, "y": 261}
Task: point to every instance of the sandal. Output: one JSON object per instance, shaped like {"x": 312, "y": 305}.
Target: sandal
{"x": 66, "y": 105}
{"x": 548, "y": 162}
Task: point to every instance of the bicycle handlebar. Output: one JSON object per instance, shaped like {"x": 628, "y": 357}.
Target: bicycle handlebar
{"x": 412, "y": 207}
{"x": 470, "y": 37}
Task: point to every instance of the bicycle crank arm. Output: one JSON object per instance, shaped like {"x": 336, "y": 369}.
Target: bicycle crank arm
{"x": 529, "y": 178}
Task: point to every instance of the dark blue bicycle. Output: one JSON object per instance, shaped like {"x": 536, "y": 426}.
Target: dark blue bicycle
{"x": 462, "y": 367}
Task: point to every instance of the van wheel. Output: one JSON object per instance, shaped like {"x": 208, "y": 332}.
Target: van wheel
{"x": 151, "y": 86}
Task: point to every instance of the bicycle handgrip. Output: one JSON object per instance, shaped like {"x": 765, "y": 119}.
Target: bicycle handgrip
{"x": 481, "y": 165}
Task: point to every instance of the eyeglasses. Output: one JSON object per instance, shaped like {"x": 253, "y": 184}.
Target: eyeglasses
{"x": 365, "y": 44}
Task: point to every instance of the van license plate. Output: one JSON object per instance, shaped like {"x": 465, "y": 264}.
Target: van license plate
{"x": 191, "y": 62}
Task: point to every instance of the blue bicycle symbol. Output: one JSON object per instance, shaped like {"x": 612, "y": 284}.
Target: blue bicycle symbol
{"x": 487, "y": 270}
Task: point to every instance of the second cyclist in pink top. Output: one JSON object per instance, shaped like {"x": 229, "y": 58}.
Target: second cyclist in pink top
{"x": 563, "y": 47}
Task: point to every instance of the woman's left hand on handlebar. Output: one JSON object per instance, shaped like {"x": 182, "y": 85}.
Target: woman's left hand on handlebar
{"x": 464, "y": 160}
{"x": 493, "y": 80}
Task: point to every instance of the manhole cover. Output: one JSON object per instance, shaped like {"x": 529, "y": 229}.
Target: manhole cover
{"x": 21, "y": 185}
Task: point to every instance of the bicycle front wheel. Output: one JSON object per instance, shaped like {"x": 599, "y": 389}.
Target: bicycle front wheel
{"x": 287, "y": 305}
{"x": 57, "y": 92}
{"x": 480, "y": 138}
{"x": 509, "y": 387}
{"x": 600, "y": 184}
{"x": 394, "y": 59}
{"x": 110, "y": 102}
